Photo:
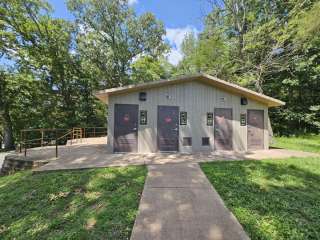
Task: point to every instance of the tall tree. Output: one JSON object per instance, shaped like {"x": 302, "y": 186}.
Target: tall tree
{"x": 16, "y": 17}
{"x": 147, "y": 69}
{"x": 299, "y": 83}
{"x": 20, "y": 96}
{"x": 5, "y": 117}
{"x": 44, "y": 48}
{"x": 207, "y": 54}
{"x": 269, "y": 46}
{"x": 111, "y": 36}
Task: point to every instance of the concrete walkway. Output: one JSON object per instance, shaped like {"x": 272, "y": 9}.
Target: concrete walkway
{"x": 178, "y": 202}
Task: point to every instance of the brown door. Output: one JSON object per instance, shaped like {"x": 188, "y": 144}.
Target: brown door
{"x": 223, "y": 128}
{"x": 125, "y": 128}
{"x": 168, "y": 128}
{"x": 255, "y": 128}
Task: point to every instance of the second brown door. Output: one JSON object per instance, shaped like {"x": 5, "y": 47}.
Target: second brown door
{"x": 168, "y": 128}
{"x": 223, "y": 128}
{"x": 255, "y": 134}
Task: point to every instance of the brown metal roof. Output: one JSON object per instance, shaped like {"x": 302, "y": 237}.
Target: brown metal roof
{"x": 204, "y": 78}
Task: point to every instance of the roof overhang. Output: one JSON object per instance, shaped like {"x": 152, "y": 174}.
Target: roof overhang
{"x": 103, "y": 95}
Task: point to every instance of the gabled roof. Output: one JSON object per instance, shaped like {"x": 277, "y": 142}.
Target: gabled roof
{"x": 103, "y": 95}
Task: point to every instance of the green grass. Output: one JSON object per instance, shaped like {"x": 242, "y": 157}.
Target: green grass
{"x": 80, "y": 204}
{"x": 308, "y": 143}
{"x": 272, "y": 199}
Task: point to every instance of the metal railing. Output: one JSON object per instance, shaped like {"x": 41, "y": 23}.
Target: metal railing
{"x": 62, "y": 137}
{"x": 55, "y": 139}
{"x": 89, "y": 132}
{"x": 1, "y": 140}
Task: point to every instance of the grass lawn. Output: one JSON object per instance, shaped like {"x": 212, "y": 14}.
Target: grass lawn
{"x": 309, "y": 143}
{"x": 272, "y": 199}
{"x": 81, "y": 204}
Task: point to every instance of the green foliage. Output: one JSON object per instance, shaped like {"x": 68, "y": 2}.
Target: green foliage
{"x": 269, "y": 46}
{"x": 147, "y": 69}
{"x": 83, "y": 204}
{"x": 308, "y": 23}
{"x": 59, "y": 64}
{"x": 208, "y": 55}
{"x": 272, "y": 199}
{"x": 21, "y": 93}
{"x": 112, "y": 36}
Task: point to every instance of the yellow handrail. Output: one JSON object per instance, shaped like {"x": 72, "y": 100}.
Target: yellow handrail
{"x": 64, "y": 135}
{"x": 75, "y": 133}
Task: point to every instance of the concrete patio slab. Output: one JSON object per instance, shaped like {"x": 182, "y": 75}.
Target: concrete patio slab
{"x": 178, "y": 202}
{"x": 92, "y": 153}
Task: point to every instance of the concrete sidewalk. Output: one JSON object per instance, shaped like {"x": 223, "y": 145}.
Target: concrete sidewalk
{"x": 178, "y": 202}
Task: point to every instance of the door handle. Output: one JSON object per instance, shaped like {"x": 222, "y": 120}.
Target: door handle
{"x": 175, "y": 129}
{"x": 134, "y": 129}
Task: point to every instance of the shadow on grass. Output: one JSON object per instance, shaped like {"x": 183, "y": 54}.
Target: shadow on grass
{"x": 271, "y": 199}
{"x": 82, "y": 204}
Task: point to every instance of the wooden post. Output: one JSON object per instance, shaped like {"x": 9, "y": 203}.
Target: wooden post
{"x": 20, "y": 141}
{"x": 41, "y": 137}
{"x": 56, "y": 144}
{"x": 94, "y": 132}
{"x": 25, "y": 149}
{"x": 56, "y": 148}
{"x": 72, "y": 136}
{"x": 25, "y": 144}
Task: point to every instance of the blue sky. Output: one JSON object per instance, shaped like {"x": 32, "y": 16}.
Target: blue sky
{"x": 179, "y": 17}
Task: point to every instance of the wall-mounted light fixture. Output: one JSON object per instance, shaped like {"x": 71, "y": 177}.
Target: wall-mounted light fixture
{"x": 244, "y": 101}
{"x": 142, "y": 96}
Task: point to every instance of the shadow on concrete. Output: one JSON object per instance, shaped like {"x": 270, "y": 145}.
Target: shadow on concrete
{"x": 178, "y": 202}
{"x": 96, "y": 155}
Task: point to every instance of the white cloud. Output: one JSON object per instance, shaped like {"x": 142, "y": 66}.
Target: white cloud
{"x": 175, "y": 38}
{"x": 174, "y": 57}
{"x": 132, "y": 2}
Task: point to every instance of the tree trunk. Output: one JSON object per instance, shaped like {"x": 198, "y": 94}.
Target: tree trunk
{"x": 7, "y": 131}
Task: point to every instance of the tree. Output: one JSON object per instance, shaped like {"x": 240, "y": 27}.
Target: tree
{"x": 189, "y": 49}
{"x": 19, "y": 96}
{"x": 111, "y": 36}
{"x": 299, "y": 83}
{"x": 147, "y": 69}
{"x": 14, "y": 22}
{"x": 4, "y": 112}
{"x": 43, "y": 50}
{"x": 207, "y": 54}
{"x": 269, "y": 46}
